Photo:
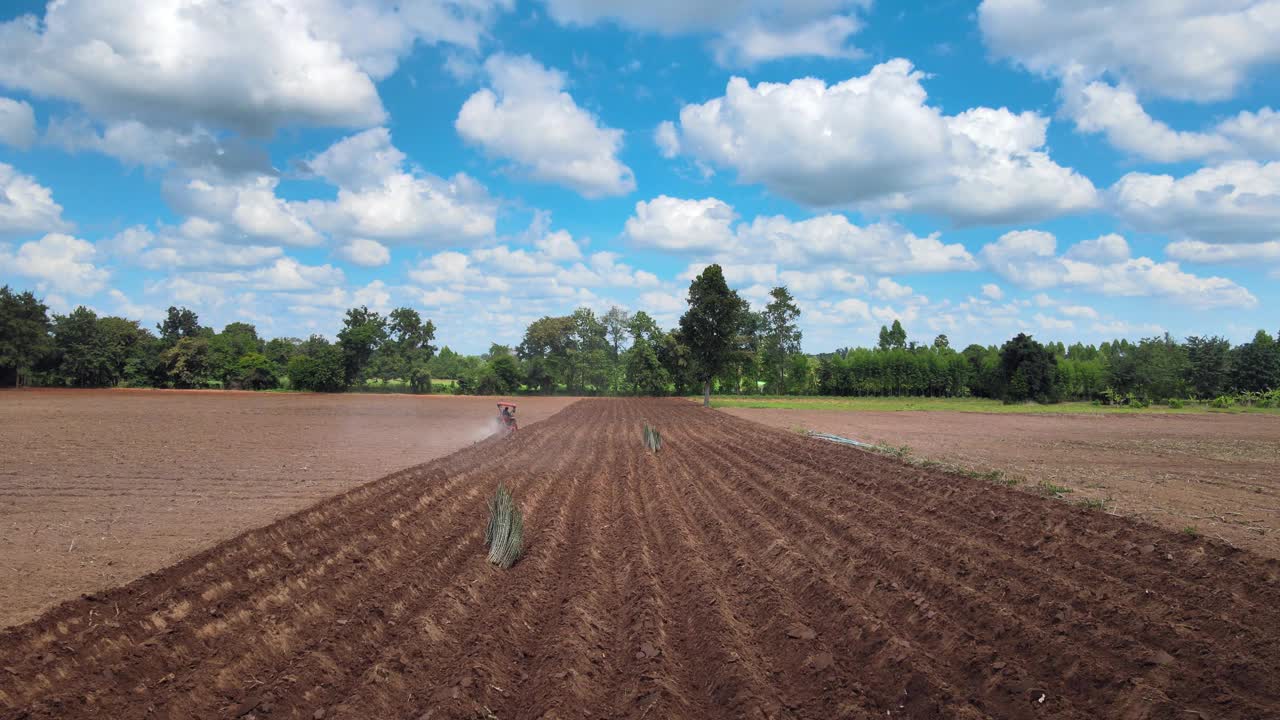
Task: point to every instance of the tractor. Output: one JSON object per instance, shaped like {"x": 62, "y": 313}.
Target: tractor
{"x": 507, "y": 418}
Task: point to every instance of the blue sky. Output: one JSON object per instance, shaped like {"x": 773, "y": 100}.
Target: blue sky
{"x": 1072, "y": 170}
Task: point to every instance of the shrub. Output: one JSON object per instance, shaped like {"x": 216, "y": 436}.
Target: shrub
{"x": 1223, "y": 402}
{"x": 1176, "y": 404}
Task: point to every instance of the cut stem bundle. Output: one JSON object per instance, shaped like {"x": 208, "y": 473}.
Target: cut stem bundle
{"x": 504, "y": 535}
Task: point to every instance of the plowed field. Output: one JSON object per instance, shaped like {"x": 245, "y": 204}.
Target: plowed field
{"x": 741, "y": 572}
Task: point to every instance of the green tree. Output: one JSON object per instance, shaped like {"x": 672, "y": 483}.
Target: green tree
{"x": 644, "y": 372}
{"x": 1256, "y": 365}
{"x": 179, "y": 323}
{"x": 617, "y": 328}
{"x": 1029, "y": 370}
{"x": 188, "y": 363}
{"x": 1208, "y": 365}
{"x": 710, "y": 326}
{"x": 893, "y": 338}
{"x": 255, "y": 371}
{"x": 226, "y": 348}
{"x": 363, "y": 332}
{"x": 942, "y": 342}
{"x": 24, "y": 334}
{"x": 644, "y": 327}
{"x": 507, "y": 371}
{"x": 84, "y": 353}
{"x": 781, "y": 334}
{"x": 318, "y": 367}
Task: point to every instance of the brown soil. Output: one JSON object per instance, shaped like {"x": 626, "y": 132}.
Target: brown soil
{"x": 100, "y": 487}
{"x": 1214, "y": 473}
{"x": 742, "y": 572}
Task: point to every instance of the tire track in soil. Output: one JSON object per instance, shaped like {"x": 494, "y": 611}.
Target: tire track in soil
{"x": 740, "y": 572}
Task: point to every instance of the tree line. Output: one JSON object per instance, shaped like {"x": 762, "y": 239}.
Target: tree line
{"x": 719, "y": 344}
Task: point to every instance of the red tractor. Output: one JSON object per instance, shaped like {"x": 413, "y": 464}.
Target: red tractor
{"x": 507, "y": 417}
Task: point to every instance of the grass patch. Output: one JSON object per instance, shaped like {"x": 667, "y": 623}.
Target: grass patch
{"x": 1094, "y": 503}
{"x": 1048, "y": 489}
{"x": 1191, "y": 530}
{"x": 976, "y": 405}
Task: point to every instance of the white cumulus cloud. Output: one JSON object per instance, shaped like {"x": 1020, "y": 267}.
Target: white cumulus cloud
{"x": 527, "y": 117}
{"x": 1236, "y": 202}
{"x": 873, "y": 142}
{"x": 1198, "y": 50}
{"x": 17, "y": 123}
{"x": 1029, "y": 258}
{"x": 59, "y": 262}
{"x": 26, "y": 206}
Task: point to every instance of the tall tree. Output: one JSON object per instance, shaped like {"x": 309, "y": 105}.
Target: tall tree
{"x": 781, "y": 334}
{"x": 24, "y": 334}
{"x": 644, "y": 327}
{"x": 942, "y": 342}
{"x": 710, "y": 325}
{"x": 179, "y": 323}
{"x": 1029, "y": 370}
{"x": 363, "y": 331}
{"x": 894, "y": 337}
{"x": 617, "y": 323}
{"x": 1256, "y": 364}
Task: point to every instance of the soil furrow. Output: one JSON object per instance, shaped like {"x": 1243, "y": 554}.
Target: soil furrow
{"x": 739, "y": 572}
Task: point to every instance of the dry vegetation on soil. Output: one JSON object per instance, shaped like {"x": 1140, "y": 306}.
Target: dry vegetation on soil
{"x": 99, "y": 487}
{"x": 1208, "y": 473}
{"x": 741, "y": 571}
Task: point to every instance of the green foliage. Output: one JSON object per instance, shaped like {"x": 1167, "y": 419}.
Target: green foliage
{"x": 188, "y": 363}
{"x": 1176, "y": 404}
{"x": 893, "y": 338}
{"x": 179, "y": 323}
{"x": 1029, "y": 371}
{"x": 923, "y": 371}
{"x": 24, "y": 334}
{"x": 710, "y": 326}
{"x": 319, "y": 367}
{"x": 89, "y": 351}
{"x": 504, "y": 533}
{"x": 363, "y": 332}
{"x": 781, "y": 336}
{"x": 254, "y": 371}
{"x": 645, "y": 374}
{"x": 1255, "y": 366}
{"x": 420, "y": 379}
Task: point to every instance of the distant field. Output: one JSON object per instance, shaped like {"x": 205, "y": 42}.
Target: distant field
{"x": 98, "y": 487}
{"x": 975, "y": 405}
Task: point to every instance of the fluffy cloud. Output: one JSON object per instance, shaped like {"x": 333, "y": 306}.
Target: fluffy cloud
{"x": 1029, "y": 258}
{"x": 1198, "y": 251}
{"x": 1199, "y": 50}
{"x": 667, "y": 139}
{"x": 380, "y": 198}
{"x": 1097, "y": 107}
{"x": 1236, "y": 202}
{"x": 757, "y": 41}
{"x": 528, "y": 118}
{"x": 671, "y": 223}
{"x": 365, "y": 252}
{"x": 17, "y": 123}
{"x": 59, "y": 262}
{"x": 704, "y": 226}
{"x": 248, "y": 205}
{"x": 26, "y": 206}
{"x": 873, "y": 142}
{"x": 195, "y": 244}
{"x": 992, "y": 291}
{"x": 749, "y": 31}
{"x": 181, "y": 63}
